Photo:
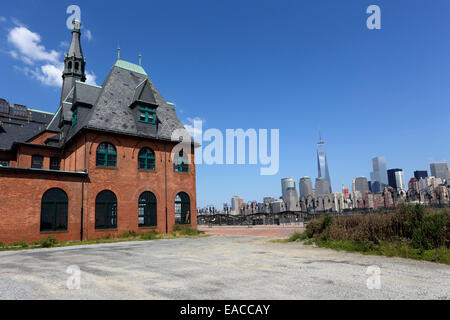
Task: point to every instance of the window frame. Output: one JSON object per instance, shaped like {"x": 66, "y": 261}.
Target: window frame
{"x": 150, "y": 208}
{"x": 110, "y": 211}
{"x": 35, "y": 157}
{"x": 185, "y": 201}
{"x": 54, "y": 205}
{"x": 146, "y": 112}
{"x": 147, "y": 159}
{"x": 106, "y": 153}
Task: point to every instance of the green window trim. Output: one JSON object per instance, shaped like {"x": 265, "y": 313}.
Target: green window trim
{"x": 74, "y": 117}
{"x": 147, "y": 115}
{"x": 106, "y": 156}
{"x": 146, "y": 160}
{"x": 54, "y": 211}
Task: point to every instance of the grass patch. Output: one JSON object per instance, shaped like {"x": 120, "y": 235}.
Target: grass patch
{"x": 51, "y": 242}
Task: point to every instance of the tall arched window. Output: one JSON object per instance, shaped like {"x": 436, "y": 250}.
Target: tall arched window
{"x": 106, "y": 210}
{"x": 54, "y": 210}
{"x": 106, "y": 155}
{"x": 147, "y": 210}
{"x": 69, "y": 66}
{"x": 182, "y": 209}
{"x": 181, "y": 162}
{"x": 146, "y": 159}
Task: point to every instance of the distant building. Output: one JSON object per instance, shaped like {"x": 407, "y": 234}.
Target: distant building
{"x": 439, "y": 170}
{"x": 379, "y": 170}
{"x": 395, "y": 179}
{"x": 322, "y": 187}
{"x": 420, "y": 174}
{"x": 305, "y": 186}
{"x": 361, "y": 185}
{"x": 236, "y": 204}
{"x": 322, "y": 163}
{"x": 285, "y": 184}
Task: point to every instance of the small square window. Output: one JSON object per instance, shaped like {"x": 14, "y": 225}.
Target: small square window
{"x": 55, "y": 163}
{"x": 37, "y": 162}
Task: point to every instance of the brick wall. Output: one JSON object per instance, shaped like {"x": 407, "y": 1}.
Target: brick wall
{"x": 21, "y": 193}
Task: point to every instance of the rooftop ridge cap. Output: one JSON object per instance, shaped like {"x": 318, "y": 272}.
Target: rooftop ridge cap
{"x": 35, "y": 110}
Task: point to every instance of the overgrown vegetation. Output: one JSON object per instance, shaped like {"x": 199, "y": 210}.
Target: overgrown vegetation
{"x": 49, "y": 242}
{"x": 411, "y": 232}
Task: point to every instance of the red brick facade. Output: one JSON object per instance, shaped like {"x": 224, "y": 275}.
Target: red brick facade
{"x": 21, "y": 191}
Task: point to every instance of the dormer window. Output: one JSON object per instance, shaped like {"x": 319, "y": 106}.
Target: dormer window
{"x": 147, "y": 114}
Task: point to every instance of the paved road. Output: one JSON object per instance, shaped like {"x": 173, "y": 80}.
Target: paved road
{"x": 218, "y": 267}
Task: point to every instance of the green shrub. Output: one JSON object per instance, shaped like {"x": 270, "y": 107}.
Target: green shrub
{"x": 296, "y": 236}
{"x": 150, "y": 235}
{"x": 189, "y": 232}
{"x": 48, "y": 242}
{"x": 177, "y": 227}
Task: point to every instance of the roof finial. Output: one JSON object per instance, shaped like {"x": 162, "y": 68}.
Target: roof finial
{"x": 118, "y": 53}
{"x": 76, "y": 25}
{"x": 140, "y": 59}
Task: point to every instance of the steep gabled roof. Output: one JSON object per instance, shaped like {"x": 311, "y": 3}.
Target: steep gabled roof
{"x": 111, "y": 112}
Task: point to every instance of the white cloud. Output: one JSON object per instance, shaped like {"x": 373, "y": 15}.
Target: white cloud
{"x": 64, "y": 45}
{"x": 41, "y": 64}
{"x": 28, "y": 45}
{"x": 88, "y": 35}
{"x": 91, "y": 78}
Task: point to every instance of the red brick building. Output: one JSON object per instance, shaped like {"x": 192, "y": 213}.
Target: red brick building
{"x": 101, "y": 165}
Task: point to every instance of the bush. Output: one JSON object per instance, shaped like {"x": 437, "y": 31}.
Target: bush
{"x": 150, "y": 235}
{"x": 423, "y": 229}
{"x": 187, "y": 231}
{"x": 48, "y": 242}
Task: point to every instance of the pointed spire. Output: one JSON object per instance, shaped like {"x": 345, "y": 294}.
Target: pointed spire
{"x": 118, "y": 53}
{"x": 140, "y": 59}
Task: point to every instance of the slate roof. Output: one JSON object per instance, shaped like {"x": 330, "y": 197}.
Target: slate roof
{"x": 15, "y": 129}
{"x": 111, "y": 112}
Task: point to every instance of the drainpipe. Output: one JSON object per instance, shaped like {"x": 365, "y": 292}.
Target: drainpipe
{"x": 165, "y": 182}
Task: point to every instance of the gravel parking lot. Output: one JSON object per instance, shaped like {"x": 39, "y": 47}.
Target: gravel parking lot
{"x": 217, "y": 267}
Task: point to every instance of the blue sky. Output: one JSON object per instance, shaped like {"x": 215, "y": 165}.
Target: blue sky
{"x": 293, "y": 65}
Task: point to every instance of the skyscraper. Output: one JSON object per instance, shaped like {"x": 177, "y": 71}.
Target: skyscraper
{"x": 439, "y": 170}
{"x": 285, "y": 184}
{"x": 305, "y": 186}
{"x": 322, "y": 187}
{"x": 322, "y": 163}
{"x": 420, "y": 174}
{"x": 360, "y": 184}
{"x": 395, "y": 179}
{"x": 379, "y": 172}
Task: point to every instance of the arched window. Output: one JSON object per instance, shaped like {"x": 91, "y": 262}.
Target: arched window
{"x": 147, "y": 210}
{"x": 146, "y": 159}
{"x": 54, "y": 210}
{"x": 106, "y": 155}
{"x": 106, "y": 210}
{"x": 182, "y": 209}
{"x": 69, "y": 66}
{"x": 181, "y": 162}
{"x": 77, "y": 65}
